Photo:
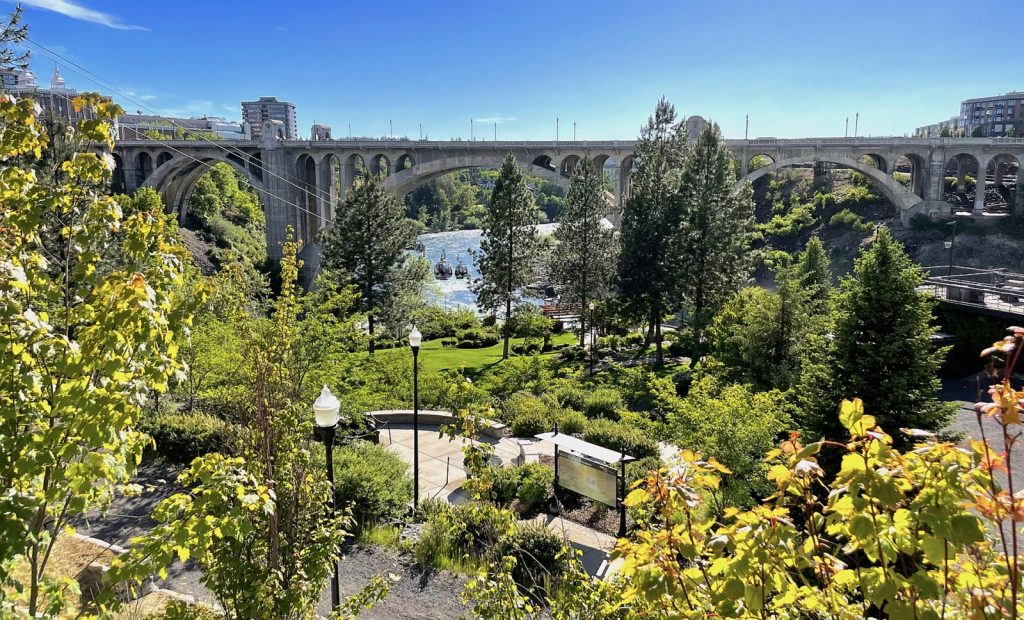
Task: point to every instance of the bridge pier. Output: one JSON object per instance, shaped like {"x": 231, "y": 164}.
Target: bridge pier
{"x": 980, "y": 185}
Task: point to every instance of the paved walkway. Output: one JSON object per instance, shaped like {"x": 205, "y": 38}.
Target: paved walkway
{"x": 442, "y": 473}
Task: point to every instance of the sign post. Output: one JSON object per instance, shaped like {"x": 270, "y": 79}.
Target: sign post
{"x": 590, "y": 470}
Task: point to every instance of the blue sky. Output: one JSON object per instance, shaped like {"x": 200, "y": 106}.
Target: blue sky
{"x": 798, "y": 68}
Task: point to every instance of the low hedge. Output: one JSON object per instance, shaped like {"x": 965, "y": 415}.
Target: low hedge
{"x": 181, "y": 437}
{"x": 602, "y": 403}
{"x": 615, "y": 436}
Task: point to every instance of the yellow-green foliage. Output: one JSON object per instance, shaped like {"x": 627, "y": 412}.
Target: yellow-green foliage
{"x": 91, "y": 314}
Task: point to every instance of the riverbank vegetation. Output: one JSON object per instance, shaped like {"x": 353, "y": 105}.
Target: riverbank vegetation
{"x": 790, "y": 461}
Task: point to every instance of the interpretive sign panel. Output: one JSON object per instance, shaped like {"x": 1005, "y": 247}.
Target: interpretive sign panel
{"x": 588, "y": 478}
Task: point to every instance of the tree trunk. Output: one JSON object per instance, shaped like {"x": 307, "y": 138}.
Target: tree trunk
{"x": 370, "y": 319}
{"x": 508, "y": 315}
{"x": 659, "y": 356}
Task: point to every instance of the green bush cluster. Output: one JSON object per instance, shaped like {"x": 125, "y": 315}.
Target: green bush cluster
{"x": 851, "y": 219}
{"x": 528, "y": 415}
{"x": 615, "y": 436}
{"x": 571, "y": 422}
{"x": 602, "y": 403}
{"x": 465, "y": 536}
{"x": 477, "y": 338}
{"x": 538, "y": 554}
{"x": 530, "y": 483}
{"x": 473, "y": 529}
{"x": 436, "y": 322}
{"x": 181, "y": 437}
{"x": 373, "y": 480}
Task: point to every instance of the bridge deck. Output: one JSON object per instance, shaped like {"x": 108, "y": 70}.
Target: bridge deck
{"x": 991, "y": 292}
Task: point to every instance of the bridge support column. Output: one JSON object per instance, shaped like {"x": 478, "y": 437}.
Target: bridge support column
{"x": 820, "y": 173}
{"x": 1018, "y": 206}
{"x": 979, "y": 186}
{"x": 934, "y": 176}
{"x": 280, "y": 199}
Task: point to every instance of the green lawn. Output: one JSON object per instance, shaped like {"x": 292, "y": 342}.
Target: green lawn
{"x": 435, "y": 357}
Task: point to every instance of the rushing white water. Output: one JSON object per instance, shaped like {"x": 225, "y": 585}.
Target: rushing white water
{"x": 456, "y": 245}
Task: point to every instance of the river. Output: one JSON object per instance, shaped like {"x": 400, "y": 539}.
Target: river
{"x": 456, "y": 244}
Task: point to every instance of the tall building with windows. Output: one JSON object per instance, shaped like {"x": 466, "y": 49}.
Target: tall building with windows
{"x": 993, "y": 117}
{"x": 270, "y": 109}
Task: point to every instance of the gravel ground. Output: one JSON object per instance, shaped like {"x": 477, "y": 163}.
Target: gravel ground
{"x": 416, "y": 595}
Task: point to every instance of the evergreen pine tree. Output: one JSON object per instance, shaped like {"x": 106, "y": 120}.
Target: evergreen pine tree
{"x": 365, "y": 245}
{"x": 711, "y": 249}
{"x": 813, "y": 275}
{"x": 645, "y": 276}
{"x": 881, "y": 350}
{"x": 508, "y": 244}
{"x": 582, "y": 261}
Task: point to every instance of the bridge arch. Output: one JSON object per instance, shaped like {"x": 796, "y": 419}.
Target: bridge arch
{"x": 544, "y": 161}
{"x": 404, "y": 162}
{"x": 914, "y": 167}
{"x": 176, "y": 179}
{"x": 163, "y": 158}
{"x": 404, "y": 181}
{"x": 329, "y": 188}
{"x": 380, "y": 165}
{"x": 143, "y": 167}
{"x": 897, "y": 194}
{"x": 568, "y": 164}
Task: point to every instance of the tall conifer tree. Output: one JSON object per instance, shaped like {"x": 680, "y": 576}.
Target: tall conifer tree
{"x": 711, "y": 247}
{"x": 365, "y": 245}
{"x": 582, "y": 261}
{"x": 508, "y": 245}
{"x": 646, "y": 280}
{"x": 881, "y": 351}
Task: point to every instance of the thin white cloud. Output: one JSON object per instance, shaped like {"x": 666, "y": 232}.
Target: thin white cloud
{"x": 85, "y": 14}
{"x": 134, "y": 95}
{"x": 497, "y": 119}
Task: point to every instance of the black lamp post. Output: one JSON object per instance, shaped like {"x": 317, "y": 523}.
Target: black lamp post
{"x": 949, "y": 245}
{"x": 592, "y": 342}
{"x": 325, "y": 410}
{"x": 414, "y": 343}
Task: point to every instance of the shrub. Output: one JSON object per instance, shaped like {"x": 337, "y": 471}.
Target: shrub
{"x": 538, "y": 552}
{"x": 535, "y": 484}
{"x": 851, "y": 219}
{"x": 574, "y": 353}
{"x": 476, "y": 338}
{"x": 430, "y": 507}
{"x": 473, "y": 528}
{"x": 571, "y": 395}
{"x": 638, "y": 469}
{"x": 602, "y": 403}
{"x": 615, "y": 436}
{"x": 374, "y": 480}
{"x": 633, "y": 339}
{"x": 528, "y": 348}
{"x": 571, "y": 422}
{"x": 505, "y": 483}
{"x": 529, "y": 423}
{"x": 181, "y": 437}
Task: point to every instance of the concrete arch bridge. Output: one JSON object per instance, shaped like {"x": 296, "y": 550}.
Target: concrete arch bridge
{"x": 301, "y": 183}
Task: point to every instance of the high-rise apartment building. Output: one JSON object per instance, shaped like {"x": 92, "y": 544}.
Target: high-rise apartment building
{"x": 993, "y": 117}
{"x": 270, "y": 109}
